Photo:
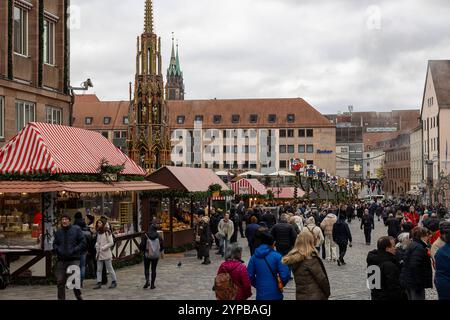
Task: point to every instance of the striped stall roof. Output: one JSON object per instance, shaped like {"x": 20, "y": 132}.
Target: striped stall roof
{"x": 248, "y": 186}
{"x": 46, "y": 148}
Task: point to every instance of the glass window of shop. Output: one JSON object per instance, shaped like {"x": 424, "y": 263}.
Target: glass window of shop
{"x": 20, "y": 221}
{"x": 116, "y": 207}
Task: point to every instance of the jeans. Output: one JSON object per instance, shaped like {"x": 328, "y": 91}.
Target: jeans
{"x": 330, "y": 248}
{"x": 368, "y": 235}
{"x": 342, "y": 251}
{"x": 154, "y": 264}
{"x": 224, "y": 243}
{"x": 83, "y": 266}
{"x": 61, "y": 279}
{"x": 416, "y": 294}
{"x": 109, "y": 267}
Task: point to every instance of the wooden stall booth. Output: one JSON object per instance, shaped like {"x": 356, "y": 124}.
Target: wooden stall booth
{"x": 187, "y": 186}
{"x": 250, "y": 190}
{"x": 48, "y": 170}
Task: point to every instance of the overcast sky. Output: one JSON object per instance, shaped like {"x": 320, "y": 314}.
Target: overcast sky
{"x": 369, "y": 54}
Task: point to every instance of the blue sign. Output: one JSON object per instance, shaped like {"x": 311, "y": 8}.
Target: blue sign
{"x": 324, "y": 151}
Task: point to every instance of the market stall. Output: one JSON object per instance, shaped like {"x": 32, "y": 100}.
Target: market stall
{"x": 250, "y": 190}
{"x": 189, "y": 190}
{"x": 47, "y": 170}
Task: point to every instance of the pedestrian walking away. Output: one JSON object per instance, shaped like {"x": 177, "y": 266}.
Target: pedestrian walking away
{"x": 368, "y": 224}
{"x": 152, "y": 245}
{"x": 342, "y": 237}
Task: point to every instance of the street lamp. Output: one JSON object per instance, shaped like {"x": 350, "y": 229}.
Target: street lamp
{"x": 84, "y": 86}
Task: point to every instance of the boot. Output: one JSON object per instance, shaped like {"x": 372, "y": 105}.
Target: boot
{"x": 206, "y": 261}
{"x": 153, "y": 281}
{"x": 98, "y": 286}
{"x": 147, "y": 284}
{"x": 113, "y": 285}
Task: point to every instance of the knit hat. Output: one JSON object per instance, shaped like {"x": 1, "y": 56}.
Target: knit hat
{"x": 266, "y": 238}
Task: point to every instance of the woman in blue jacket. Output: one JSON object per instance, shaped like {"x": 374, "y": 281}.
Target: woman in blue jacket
{"x": 442, "y": 257}
{"x": 263, "y": 268}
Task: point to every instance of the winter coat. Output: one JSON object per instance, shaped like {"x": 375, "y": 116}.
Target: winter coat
{"x": 103, "y": 246}
{"x": 250, "y": 234}
{"x": 327, "y": 224}
{"x": 269, "y": 219}
{"x": 442, "y": 278}
{"x": 239, "y": 275}
{"x": 262, "y": 278}
{"x": 341, "y": 233}
{"x": 214, "y": 223}
{"x": 203, "y": 239}
{"x": 151, "y": 236}
{"x": 390, "y": 274}
{"x": 413, "y": 217}
{"x": 285, "y": 236}
{"x": 367, "y": 222}
{"x": 311, "y": 280}
{"x": 316, "y": 232}
{"x": 226, "y": 229}
{"x": 393, "y": 227}
{"x": 69, "y": 243}
{"x": 416, "y": 272}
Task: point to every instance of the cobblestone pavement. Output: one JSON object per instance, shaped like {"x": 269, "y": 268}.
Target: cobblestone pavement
{"x": 193, "y": 281}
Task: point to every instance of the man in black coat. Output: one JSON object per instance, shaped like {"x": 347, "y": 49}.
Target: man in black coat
{"x": 342, "y": 237}
{"x": 367, "y": 222}
{"x": 393, "y": 225}
{"x": 214, "y": 225}
{"x": 384, "y": 257}
{"x": 417, "y": 274}
{"x": 68, "y": 245}
{"x": 269, "y": 218}
{"x": 284, "y": 235}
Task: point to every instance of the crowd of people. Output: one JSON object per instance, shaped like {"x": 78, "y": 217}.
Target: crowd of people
{"x": 287, "y": 242}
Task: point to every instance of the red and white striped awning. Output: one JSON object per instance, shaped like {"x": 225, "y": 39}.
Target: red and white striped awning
{"x": 248, "y": 186}
{"x": 45, "y": 148}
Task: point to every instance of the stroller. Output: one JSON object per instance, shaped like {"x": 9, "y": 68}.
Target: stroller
{"x": 4, "y": 273}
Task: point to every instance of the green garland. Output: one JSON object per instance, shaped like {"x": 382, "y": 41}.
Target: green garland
{"x": 180, "y": 194}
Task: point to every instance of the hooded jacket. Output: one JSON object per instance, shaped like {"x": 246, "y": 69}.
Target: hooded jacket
{"x": 390, "y": 274}
{"x": 69, "y": 243}
{"x": 341, "y": 233}
{"x": 239, "y": 275}
{"x": 442, "y": 278}
{"x": 103, "y": 246}
{"x": 316, "y": 232}
{"x": 327, "y": 224}
{"x": 311, "y": 280}
{"x": 262, "y": 278}
{"x": 416, "y": 272}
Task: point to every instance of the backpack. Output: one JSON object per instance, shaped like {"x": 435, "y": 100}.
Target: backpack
{"x": 224, "y": 286}
{"x": 4, "y": 275}
{"x": 153, "y": 248}
{"x": 316, "y": 236}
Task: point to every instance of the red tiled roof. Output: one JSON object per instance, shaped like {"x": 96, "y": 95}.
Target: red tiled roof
{"x": 98, "y": 110}
{"x": 84, "y": 98}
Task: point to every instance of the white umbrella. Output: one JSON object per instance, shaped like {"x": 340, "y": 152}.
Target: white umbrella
{"x": 251, "y": 173}
{"x": 282, "y": 173}
{"x": 224, "y": 173}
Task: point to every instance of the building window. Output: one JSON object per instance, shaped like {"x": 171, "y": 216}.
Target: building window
{"x": 49, "y": 42}
{"x": 282, "y": 149}
{"x": 106, "y": 120}
{"x": 301, "y": 133}
{"x": 180, "y": 119}
{"x": 120, "y": 134}
{"x": 301, "y": 148}
{"x": 126, "y": 120}
{"x": 217, "y": 119}
{"x": 88, "y": 120}
{"x": 283, "y": 164}
{"x": 2, "y": 118}
{"x": 290, "y": 133}
{"x": 310, "y": 162}
{"x": 309, "y": 133}
{"x": 272, "y": 118}
{"x": 252, "y": 165}
{"x": 235, "y": 118}
{"x": 53, "y": 115}
{"x": 282, "y": 133}
{"x": 20, "y": 31}
{"x": 291, "y": 118}
{"x": 105, "y": 134}
{"x": 309, "y": 148}
{"x": 253, "y": 118}
{"x": 198, "y": 118}
{"x": 25, "y": 113}
{"x": 291, "y": 149}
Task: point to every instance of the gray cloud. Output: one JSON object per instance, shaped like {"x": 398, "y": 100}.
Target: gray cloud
{"x": 331, "y": 53}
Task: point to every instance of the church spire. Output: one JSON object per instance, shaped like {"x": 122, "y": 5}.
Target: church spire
{"x": 178, "y": 63}
{"x": 172, "y": 57}
{"x": 148, "y": 25}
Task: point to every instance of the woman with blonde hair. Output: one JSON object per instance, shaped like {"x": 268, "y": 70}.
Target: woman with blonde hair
{"x": 311, "y": 279}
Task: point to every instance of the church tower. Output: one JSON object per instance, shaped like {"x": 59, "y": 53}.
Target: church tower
{"x": 149, "y": 135}
{"x": 175, "y": 84}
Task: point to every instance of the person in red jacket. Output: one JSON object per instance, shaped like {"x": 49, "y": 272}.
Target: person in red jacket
{"x": 412, "y": 216}
{"x": 237, "y": 270}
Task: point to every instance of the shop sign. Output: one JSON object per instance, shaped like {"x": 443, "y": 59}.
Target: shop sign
{"x": 324, "y": 151}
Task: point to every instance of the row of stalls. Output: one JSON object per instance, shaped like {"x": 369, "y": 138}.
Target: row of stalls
{"x": 49, "y": 170}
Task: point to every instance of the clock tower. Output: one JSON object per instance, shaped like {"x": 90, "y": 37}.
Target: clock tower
{"x": 149, "y": 135}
